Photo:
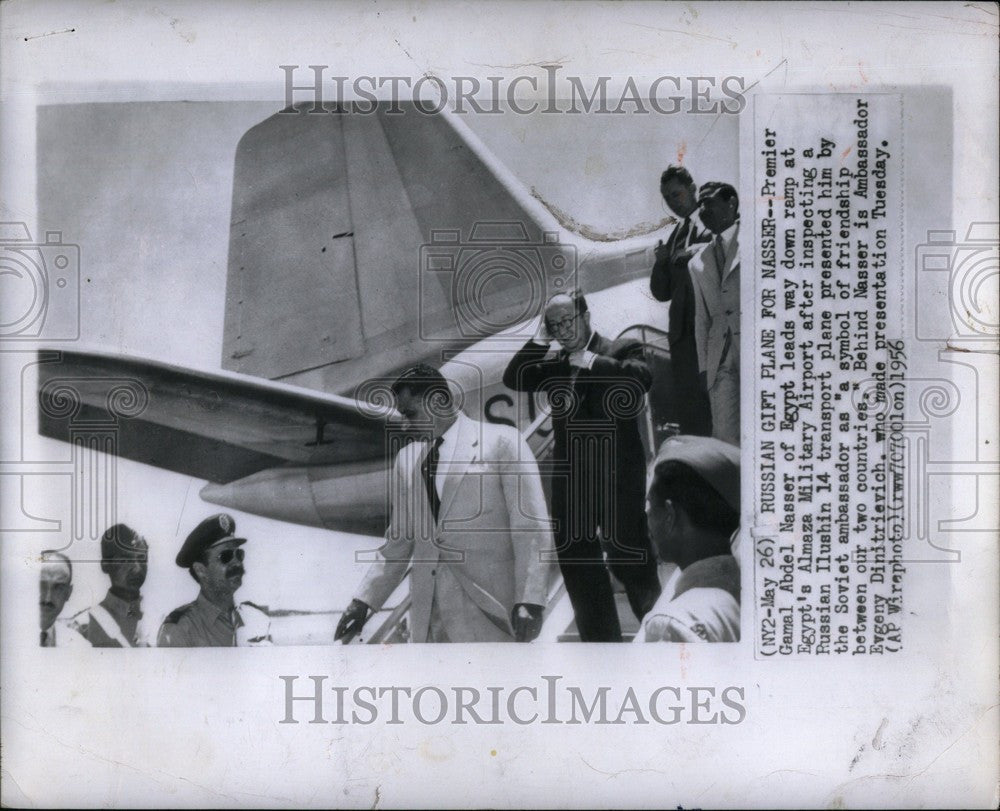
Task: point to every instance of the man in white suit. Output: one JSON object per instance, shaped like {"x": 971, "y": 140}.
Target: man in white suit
{"x": 468, "y": 518}
{"x": 715, "y": 276}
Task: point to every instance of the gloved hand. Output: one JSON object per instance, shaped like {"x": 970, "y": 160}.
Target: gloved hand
{"x": 527, "y": 621}
{"x": 352, "y": 622}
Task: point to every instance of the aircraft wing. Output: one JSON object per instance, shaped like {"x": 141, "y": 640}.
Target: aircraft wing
{"x": 219, "y": 427}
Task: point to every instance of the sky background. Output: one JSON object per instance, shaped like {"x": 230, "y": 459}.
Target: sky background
{"x": 145, "y": 190}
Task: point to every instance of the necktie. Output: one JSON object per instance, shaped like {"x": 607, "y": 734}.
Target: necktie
{"x": 720, "y": 255}
{"x": 692, "y": 234}
{"x": 429, "y": 472}
{"x": 683, "y": 232}
{"x": 45, "y": 639}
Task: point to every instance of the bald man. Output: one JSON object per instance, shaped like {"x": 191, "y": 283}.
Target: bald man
{"x": 596, "y": 389}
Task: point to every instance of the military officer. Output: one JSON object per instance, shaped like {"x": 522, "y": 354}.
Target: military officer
{"x": 116, "y": 621}
{"x": 693, "y": 507}
{"x": 213, "y": 555}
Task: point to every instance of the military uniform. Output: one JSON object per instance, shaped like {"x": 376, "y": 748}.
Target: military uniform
{"x": 203, "y": 623}
{"x": 703, "y": 605}
{"x": 115, "y": 622}
{"x": 701, "y": 602}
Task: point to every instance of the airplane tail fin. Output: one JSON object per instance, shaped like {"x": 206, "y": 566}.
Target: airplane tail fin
{"x": 355, "y": 238}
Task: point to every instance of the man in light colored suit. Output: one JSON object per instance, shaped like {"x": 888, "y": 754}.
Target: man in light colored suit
{"x": 468, "y": 518}
{"x": 715, "y": 276}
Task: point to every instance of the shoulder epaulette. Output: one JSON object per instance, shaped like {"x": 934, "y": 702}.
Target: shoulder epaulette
{"x": 174, "y": 616}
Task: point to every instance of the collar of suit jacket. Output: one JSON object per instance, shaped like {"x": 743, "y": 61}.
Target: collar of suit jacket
{"x": 595, "y": 339}
{"x": 729, "y": 235}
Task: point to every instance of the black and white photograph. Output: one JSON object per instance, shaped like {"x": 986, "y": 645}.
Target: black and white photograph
{"x": 371, "y": 335}
{"x": 459, "y": 370}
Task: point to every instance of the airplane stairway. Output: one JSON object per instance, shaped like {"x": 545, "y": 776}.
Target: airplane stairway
{"x": 559, "y": 624}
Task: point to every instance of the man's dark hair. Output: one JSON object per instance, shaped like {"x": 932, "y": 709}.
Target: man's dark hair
{"x": 47, "y": 554}
{"x": 686, "y": 489}
{"x": 678, "y": 173}
{"x": 423, "y": 380}
{"x": 717, "y": 189}
{"x": 576, "y": 296}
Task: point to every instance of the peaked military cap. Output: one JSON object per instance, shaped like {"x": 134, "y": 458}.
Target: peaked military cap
{"x": 208, "y": 533}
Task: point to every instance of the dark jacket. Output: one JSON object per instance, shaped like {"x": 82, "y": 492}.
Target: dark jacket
{"x": 595, "y": 422}
{"x": 671, "y": 282}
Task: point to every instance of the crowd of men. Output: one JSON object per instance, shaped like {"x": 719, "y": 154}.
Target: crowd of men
{"x": 469, "y": 520}
{"x": 605, "y": 522}
{"x": 212, "y": 554}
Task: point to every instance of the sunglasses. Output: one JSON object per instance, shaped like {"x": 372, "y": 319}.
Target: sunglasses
{"x": 226, "y": 555}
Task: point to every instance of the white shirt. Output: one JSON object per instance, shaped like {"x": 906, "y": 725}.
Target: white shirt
{"x": 697, "y": 605}
{"x": 728, "y": 237}
{"x": 446, "y": 452}
{"x": 695, "y": 226}
{"x": 585, "y": 354}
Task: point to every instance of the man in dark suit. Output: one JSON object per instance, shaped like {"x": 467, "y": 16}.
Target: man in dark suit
{"x": 595, "y": 389}
{"x": 670, "y": 281}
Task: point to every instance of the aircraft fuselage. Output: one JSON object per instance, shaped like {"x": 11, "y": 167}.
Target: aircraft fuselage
{"x": 354, "y": 497}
